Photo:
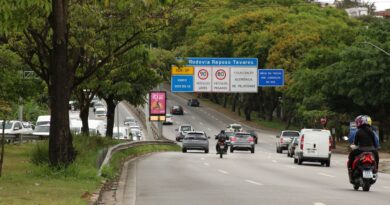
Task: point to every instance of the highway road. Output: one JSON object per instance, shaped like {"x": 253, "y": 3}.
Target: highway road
{"x": 264, "y": 177}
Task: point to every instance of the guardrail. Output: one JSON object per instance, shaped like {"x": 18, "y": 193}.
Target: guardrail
{"x": 11, "y": 138}
{"x": 122, "y": 146}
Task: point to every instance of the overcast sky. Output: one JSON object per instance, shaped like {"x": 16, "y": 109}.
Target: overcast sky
{"x": 380, "y": 4}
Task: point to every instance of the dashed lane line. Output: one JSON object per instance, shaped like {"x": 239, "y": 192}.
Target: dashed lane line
{"x": 319, "y": 203}
{"x": 223, "y": 171}
{"x": 253, "y": 182}
{"x": 206, "y": 164}
{"x": 326, "y": 175}
{"x": 274, "y": 161}
{"x": 202, "y": 158}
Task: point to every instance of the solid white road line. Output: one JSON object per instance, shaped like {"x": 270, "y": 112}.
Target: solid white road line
{"x": 319, "y": 203}
{"x": 326, "y": 175}
{"x": 206, "y": 164}
{"x": 223, "y": 171}
{"x": 253, "y": 182}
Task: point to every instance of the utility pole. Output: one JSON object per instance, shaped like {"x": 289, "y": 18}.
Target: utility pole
{"x": 2, "y": 147}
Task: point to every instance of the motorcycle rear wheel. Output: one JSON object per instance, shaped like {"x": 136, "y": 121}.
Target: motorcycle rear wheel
{"x": 366, "y": 186}
{"x": 220, "y": 154}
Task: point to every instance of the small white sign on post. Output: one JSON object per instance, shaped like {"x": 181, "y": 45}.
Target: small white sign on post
{"x": 202, "y": 79}
{"x": 221, "y": 79}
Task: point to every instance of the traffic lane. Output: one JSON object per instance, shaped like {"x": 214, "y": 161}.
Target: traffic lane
{"x": 180, "y": 180}
{"x": 323, "y": 184}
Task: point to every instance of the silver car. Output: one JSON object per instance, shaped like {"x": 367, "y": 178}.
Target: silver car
{"x": 284, "y": 139}
{"x": 242, "y": 141}
{"x": 196, "y": 140}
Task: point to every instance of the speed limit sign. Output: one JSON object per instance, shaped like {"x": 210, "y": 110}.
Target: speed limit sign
{"x": 203, "y": 74}
{"x": 220, "y": 74}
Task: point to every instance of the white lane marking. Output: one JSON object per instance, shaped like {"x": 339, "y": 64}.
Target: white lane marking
{"x": 386, "y": 187}
{"x": 326, "y": 175}
{"x": 223, "y": 171}
{"x": 319, "y": 203}
{"x": 253, "y": 182}
{"x": 202, "y": 158}
{"x": 290, "y": 166}
{"x": 206, "y": 164}
{"x": 274, "y": 161}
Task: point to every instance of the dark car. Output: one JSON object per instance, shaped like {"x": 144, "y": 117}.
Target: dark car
{"x": 291, "y": 147}
{"x": 193, "y": 102}
{"x": 253, "y": 134}
{"x": 177, "y": 110}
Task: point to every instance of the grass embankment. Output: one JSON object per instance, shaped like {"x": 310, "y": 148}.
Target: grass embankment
{"x": 24, "y": 182}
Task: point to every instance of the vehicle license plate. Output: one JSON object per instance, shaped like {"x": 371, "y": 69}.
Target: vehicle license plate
{"x": 222, "y": 146}
{"x": 367, "y": 174}
{"x": 311, "y": 151}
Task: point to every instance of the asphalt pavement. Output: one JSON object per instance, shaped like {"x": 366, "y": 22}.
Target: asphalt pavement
{"x": 264, "y": 177}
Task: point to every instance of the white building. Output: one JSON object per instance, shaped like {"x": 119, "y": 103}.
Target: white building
{"x": 357, "y": 11}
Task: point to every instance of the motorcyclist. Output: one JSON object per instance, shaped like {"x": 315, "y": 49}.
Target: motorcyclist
{"x": 366, "y": 140}
{"x": 221, "y": 137}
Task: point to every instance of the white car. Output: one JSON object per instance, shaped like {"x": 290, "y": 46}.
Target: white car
{"x": 314, "y": 145}
{"x": 122, "y": 135}
{"x": 97, "y": 127}
{"x": 130, "y": 121}
{"x": 42, "y": 120}
{"x": 234, "y": 128}
{"x": 100, "y": 112}
{"x": 42, "y": 130}
{"x": 16, "y": 127}
{"x": 168, "y": 120}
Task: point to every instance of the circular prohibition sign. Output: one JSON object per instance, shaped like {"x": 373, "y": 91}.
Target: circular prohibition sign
{"x": 203, "y": 74}
{"x": 220, "y": 74}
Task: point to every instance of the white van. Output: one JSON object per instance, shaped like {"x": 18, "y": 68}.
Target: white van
{"x": 314, "y": 145}
{"x": 43, "y": 120}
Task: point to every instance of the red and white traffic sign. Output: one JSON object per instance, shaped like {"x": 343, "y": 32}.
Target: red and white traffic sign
{"x": 202, "y": 79}
{"x": 203, "y": 74}
{"x": 221, "y": 79}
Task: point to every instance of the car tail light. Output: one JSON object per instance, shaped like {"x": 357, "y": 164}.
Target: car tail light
{"x": 250, "y": 139}
{"x": 330, "y": 143}
{"x": 302, "y": 141}
{"x": 233, "y": 139}
{"x": 281, "y": 140}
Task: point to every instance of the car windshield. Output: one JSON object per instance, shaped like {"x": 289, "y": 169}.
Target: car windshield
{"x": 42, "y": 129}
{"x": 8, "y": 125}
{"x": 186, "y": 128}
{"x": 43, "y": 123}
{"x": 236, "y": 127}
{"x": 100, "y": 112}
{"x": 290, "y": 134}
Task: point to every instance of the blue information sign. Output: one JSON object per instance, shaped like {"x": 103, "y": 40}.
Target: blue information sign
{"x": 271, "y": 77}
{"x": 231, "y": 62}
{"x": 182, "y": 83}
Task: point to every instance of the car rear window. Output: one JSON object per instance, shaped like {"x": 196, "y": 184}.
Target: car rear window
{"x": 243, "y": 135}
{"x": 186, "y": 128}
{"x": 290, "y": 134}
{"x": 196, "y": 136}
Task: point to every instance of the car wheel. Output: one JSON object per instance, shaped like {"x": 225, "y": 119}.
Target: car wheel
{"x": 299, "y": 161}
{"x": 206, "y": 151}
{"x": 277, "y": 150}
{"x": 184, "y": 150}
{"x": 295, "y": 161}
{"x": 288, "y": 154}
{"x": 231, "y": 150}
{"x": 328, "y": 163}
{"x": 322, "y": 163}
{"x": 256, "y": 141}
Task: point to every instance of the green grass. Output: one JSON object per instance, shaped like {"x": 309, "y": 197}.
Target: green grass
{"x": 25, "y": 183}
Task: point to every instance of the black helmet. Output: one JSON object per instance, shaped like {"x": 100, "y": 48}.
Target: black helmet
{"x": 222, "y": 131}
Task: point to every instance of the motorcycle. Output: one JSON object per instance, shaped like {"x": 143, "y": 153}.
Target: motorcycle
{"x": 364, "y": 173}
{"x": 221, "y": 149}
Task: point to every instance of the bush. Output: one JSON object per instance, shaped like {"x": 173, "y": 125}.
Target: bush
{"x": 40, "y": 153}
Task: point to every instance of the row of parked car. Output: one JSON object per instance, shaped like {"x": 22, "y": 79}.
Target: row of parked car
{"x": 312, "y": 145}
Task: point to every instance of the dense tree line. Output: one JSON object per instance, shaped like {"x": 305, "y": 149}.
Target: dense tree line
{"x": 332, "y": 68}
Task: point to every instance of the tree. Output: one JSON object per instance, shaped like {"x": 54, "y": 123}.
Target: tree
{"x": 65, "y": 50}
